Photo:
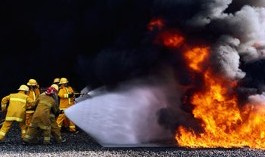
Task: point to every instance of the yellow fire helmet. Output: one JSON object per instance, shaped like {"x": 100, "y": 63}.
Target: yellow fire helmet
{"x": 56, "y": 80}
{"x": 63, "y": 80}
{"x": 23, "y": 88}
{"x": 32, "y": 82}
{"x": 55, "y": 86}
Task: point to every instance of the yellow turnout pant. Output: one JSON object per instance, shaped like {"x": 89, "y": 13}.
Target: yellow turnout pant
{"x": 6, "y": 127}
{"x": 62, "y": 118}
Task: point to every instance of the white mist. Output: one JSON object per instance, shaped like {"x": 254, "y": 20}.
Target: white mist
{"x": 127, "y": 115}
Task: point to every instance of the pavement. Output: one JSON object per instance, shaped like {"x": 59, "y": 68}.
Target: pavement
{"x": 81, "y": 144}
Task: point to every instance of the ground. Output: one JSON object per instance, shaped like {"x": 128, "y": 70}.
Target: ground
{"x": 82, "y": 144}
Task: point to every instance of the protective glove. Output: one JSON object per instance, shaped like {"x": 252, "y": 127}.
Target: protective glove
{"x": 70, "y": 95}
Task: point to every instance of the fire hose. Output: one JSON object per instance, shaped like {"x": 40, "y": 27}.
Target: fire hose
{"x": 61, "y": 111}
{"x": 80, "y": 94}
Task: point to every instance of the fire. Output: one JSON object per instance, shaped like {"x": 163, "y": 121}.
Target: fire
{"x": 225, "y": 124}
{"x": 196, "y": 56}
{"x": 171, "y": 39}
{"x": 219, "y": 114}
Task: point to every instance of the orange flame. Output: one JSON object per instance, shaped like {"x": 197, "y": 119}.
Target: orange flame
{"x": 196, "y": 56}
{"x": 224, "y": 123}
{"x": 172, "y": 39}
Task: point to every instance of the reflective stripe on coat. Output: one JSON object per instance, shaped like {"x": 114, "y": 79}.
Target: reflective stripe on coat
{"x": 18, "y": 103}
{"x": 65, "y": 102}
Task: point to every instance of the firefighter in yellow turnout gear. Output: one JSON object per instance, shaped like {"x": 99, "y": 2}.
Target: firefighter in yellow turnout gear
{"x": 34, "y": 92}
{"x": 16, "y": 105}
{"x": 55, "y": 129}
{"x": 44, "y": 118}
{"x": 66, "y": 96}
{"x": 56, "y": 81}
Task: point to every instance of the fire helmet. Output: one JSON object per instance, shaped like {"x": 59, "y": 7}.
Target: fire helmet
{"x": 63, "y": 80}
{"x": 50, "y": 90}
{"x": 56, "y": 80}
{"x": 23, "y": 88}
{"x": 55, "y": 86}
{"x": 32, "y": 82}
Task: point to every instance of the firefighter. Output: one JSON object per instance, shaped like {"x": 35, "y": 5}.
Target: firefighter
{"x": 34, "y": 92}
{"x": 56, "y": 96}
{"x": 56, "y": 81}
{"x": 55, "y": 129}
{"x": 66, "y": 97}
{"x": 44, "y": 118}
{"x": 16, "y": 104}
